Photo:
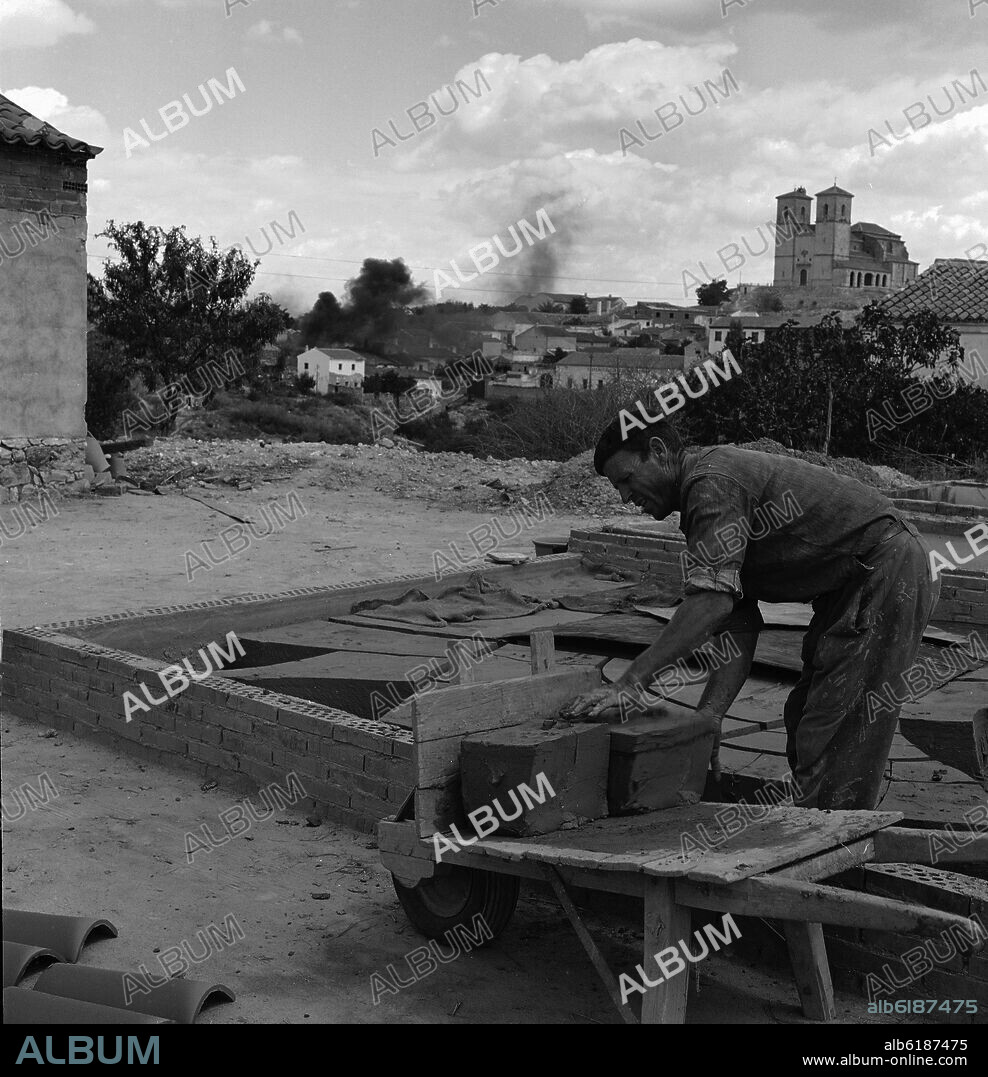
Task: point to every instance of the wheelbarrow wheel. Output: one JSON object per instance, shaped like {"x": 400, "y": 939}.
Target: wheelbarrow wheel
{"x": 456, "y": 896}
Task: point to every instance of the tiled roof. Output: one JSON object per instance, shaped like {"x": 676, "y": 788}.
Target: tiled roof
{"x": 340, "y": 354}
{"x": 19, "y": 128}
{"x": 872, "y": 229}
{"x": 835, "y": 190}
{"x": 955, "y": 289}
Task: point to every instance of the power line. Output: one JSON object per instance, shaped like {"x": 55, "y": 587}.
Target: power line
{"x": 432, "y": 269}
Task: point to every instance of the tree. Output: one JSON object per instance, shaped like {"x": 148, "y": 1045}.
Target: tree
{"x": 548, "y": 307}
{"x": 174, "y": 303}
{"x": 578, "y": 305}
{"x": 735, "y": 341}
{"x": 390, "y": 382}
{"x": 768, "y": 300}
{"x": 713, "y": 294}
{"x": 812, "y": 388}
{"x": 305, "y": 383}
{"x": 108, "y": 384}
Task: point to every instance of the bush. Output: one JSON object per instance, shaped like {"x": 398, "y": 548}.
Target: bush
{"x": 335, "y": 426}
{"x": 305, "y": 383}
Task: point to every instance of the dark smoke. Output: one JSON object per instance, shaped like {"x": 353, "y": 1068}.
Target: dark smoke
{"x": 377, "y": 295}
{"x": 538, "y": 267}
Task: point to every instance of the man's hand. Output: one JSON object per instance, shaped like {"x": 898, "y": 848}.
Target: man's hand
{"x": 601, "y": 705}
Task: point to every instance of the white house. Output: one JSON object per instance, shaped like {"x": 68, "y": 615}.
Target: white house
{"x": 585, "y": 370}
{"x": 332, "y": 367}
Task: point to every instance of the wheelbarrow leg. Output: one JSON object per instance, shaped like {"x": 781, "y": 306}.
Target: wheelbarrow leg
{"x": 666, "y": 924}
{"x": 811, "y": 969}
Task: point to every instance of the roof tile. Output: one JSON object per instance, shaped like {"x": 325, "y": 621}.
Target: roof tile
{"x": 955, "y": 289}
{"x": 19, "y": 128}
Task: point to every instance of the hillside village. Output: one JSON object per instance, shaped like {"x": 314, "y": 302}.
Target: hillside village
{"x": 547, "y": 340}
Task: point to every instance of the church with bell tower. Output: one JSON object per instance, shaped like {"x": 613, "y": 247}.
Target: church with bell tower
{"x": 825, "y": 256}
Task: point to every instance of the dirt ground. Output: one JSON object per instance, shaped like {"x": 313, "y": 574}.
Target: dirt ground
{"x": 112, "y": 842}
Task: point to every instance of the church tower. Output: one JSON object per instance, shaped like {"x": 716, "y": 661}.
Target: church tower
{"x": 793, "y": 236}
{"x": 833, "y": 232}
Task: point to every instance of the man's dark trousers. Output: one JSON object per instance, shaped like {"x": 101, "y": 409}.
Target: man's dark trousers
{"x": 863, "y": 637}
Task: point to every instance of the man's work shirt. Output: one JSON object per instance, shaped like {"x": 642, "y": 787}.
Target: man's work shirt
{"x": 775, "y": 528}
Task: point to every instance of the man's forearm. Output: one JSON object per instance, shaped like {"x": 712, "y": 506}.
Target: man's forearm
{"x": 727, "y": 680}
{"x": 693, "y": 623}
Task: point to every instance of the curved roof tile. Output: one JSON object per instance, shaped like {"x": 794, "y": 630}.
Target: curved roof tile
{"x": 19, "y": 128}
{"x": 954, "y": 288}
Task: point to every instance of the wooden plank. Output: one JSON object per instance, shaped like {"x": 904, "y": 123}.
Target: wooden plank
{"x": 496, "y": 668}
{"x": 654, "y": 844}
{"x": 784, "y": 835}
{"x": 596, "y": 957}
{"x": 666, "y": 923}
{"x": 932, "y": 802}
{"x": 980, "y": 731}
{"x": 811, "y": 969}
{"x": 478, "y": 708}
{"x": 824, "y": 865}
{"x": 441, "y": 720}
{"x": 808, "y": 902}
{"x": 491, "y": 628}
{"x": 543, "y": 646}
{"x": 902, "y": 845}
{"x": 409, "y": 870}
{"x": 339, "y": 637}
{"x": 402, "y": 838}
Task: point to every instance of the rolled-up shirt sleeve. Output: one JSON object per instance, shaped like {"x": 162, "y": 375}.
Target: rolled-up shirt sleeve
{"x": 716, "y": 520}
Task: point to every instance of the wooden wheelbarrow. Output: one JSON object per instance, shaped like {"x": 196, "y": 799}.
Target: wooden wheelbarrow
{"x": 770, "y": 867}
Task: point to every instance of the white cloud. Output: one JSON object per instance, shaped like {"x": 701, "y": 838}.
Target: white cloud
{"x": 38, "y": 23}
{"x": 77, "y": 121}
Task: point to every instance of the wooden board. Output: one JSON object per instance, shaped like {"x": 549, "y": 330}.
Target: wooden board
{"x": 332, "y": 636}
{"x": 362, "y": 684}
{"x": 441, "y": 720}
{"x": 495, "y": 628}
{"x": 776, "y": 647}
{"x": 654, "y": 844}
{"x": 506, "y": 663}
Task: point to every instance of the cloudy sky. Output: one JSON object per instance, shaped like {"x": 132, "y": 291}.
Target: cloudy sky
{"x": 552, "y": 105}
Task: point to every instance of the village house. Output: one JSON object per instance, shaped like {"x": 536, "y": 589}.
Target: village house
{"x": 956, "y": 290}
{"x": 662, "y": 313}
{"x": 595, "y": 304}
{"x": 43, "y": 185}
{"x": 756, "y": 328}
{"x": 538, "y": 340}
{"x": 594, "y": 370}
{"x": 332, "y": 368}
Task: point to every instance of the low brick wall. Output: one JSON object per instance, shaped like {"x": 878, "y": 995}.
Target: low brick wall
{"x": 963, "y": 595}
{"x": 73, "y": 676}
{"x": 30, "y": 466}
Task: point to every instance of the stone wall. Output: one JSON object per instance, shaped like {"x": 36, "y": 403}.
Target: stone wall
{"x": 30, "y": 466}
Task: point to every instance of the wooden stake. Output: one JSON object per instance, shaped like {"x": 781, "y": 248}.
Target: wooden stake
{"x": 543, "y": 645}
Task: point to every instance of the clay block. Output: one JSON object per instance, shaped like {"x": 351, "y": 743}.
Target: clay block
{"x": 944, "y": 890}
{"x": 572, "y": 758}
{"x": 658, "y": 762}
